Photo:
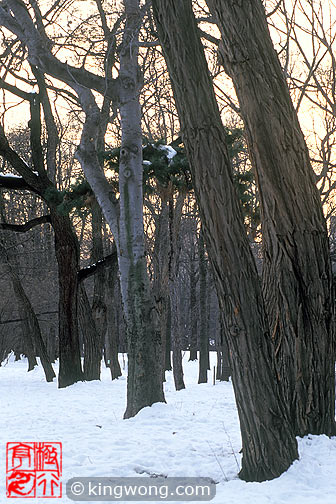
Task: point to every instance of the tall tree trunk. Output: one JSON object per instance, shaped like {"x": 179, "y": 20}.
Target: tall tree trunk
{"x": 98, "y": 302}
{"x": 168, "y": 364}
{"x": 67, "y": 256}
{"x": 297, "y": 276}
{"x": 269, "y": 444}
{"x": 144, "y": 381}
{"x": 176, "y": 338}
{"x": 175, "y": 216}
{"x": 193, "y": 312}
{"x": 111, "y": 335}
{"x": 91, "y": 337}
{"x": 204, "y": 339}
{"x": 65, "y": 243}
{"x": 160, "y": 287}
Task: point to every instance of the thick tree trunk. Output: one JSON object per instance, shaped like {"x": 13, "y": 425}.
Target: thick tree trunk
{"x": 269, "y": 444}
{"x": 67, "y": 256}
{"x": 297, "y": 270}
{"x": 144, "y": 382}
{"x": 65, "y": 248}
{"x": 204, "y": 340}
{"x": 91, "y": 337}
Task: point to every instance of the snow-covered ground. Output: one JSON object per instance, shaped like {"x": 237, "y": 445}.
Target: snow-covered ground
{"x": 195, "y": 434}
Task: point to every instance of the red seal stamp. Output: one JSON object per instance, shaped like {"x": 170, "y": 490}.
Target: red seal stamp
{"x": 34, "y": 470}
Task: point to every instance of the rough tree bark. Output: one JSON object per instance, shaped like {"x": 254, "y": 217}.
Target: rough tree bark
{"x": 67, "y": 256}
{"x": 297, "y": 278}
{"x": 269, "y": 444}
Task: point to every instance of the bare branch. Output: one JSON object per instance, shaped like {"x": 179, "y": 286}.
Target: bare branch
{"x": 23, "y": 228}
{"x": 15, "y": 183}
{"x": 210, "y": 38}
{"x": 19, "y": 165}
{"x": 99, "y": 265}
{"x": 40, "y": 55}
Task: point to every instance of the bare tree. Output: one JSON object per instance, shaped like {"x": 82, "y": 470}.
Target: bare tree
{"x": 124, "y": 216}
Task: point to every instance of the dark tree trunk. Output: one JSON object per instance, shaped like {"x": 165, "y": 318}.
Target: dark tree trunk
{"x": 98, "y": 303}
{"x": 111, "y": 347}
{"x": 91, "y": 338}
{"x": 175, "y": 215}
{"x": 66, "y": 249}
{"x": 223, "y": 356}
{"x": 269, "y": 444}
{"x": 168, "y": 364}
{"x": 204, "y": 340}
{"x": 111, "y": 335}
{"x": 219, "y": 364}
{"x": 193, "y": 312}
{"x": 176, "y": 339}
{"x": 52, "y": 351}
{"x": 29, "y": 350}
{"x": 160, "y": 287}
{"x": 225, "y": 361}
{"x": 297, "y": 271}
